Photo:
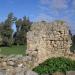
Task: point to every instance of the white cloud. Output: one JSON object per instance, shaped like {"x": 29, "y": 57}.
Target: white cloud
{"x": 59, "y": 4}
{"x": 55, "y": 4}
{"x": 57, "y": 7}
{"x": 44, "y": 8}
{"x": 44, "y": 17}
{"x": 73, "y": 3}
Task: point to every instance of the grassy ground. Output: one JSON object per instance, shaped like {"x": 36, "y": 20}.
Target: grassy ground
{"x": 13, "y": 50}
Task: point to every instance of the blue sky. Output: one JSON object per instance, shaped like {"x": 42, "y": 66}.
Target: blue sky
{"x": 40, "y": 10}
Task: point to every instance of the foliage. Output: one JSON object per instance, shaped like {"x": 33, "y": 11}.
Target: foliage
{"x": 55, "y": 64}
{"x": 0, "y": 39}
{"x": 72, "y": 48}
{"x": 73, "y": 39}
{"x": 23, "y": 26}
{"x": 6, "y": 30}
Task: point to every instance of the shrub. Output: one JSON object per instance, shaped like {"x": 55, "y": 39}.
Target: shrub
{"x": 52, "y": 65}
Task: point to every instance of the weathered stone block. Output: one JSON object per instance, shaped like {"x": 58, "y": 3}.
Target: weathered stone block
{"x": 58, "y": 73}
{"x": 2, "y": 72}
{"x": 29, "y": 72}
{"x": 70, "y": 73}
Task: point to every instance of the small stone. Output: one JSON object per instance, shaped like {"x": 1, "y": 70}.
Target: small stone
{"x": 4, "y": 64}
{"x": 29, "y": 72}
{"x": 70, "y": 73}
{"x": 58, "y": 73}
{"x": 11, "y": 63}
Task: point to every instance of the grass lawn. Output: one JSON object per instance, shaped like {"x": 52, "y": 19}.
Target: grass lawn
{"x": 15, "y": 50}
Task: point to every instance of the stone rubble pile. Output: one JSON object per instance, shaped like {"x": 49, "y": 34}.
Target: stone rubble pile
{"x": 15, "y": 65}
{"x": 47, "y": 40}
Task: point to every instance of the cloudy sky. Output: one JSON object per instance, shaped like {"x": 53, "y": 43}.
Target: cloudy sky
{"x": 40, "y": 10}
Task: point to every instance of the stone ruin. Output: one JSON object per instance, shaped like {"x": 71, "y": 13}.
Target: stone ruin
{"x": 46, "y": 40}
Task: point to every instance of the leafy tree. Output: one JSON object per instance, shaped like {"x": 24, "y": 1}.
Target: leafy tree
{"x": 72, "y": 48}
{"x": 7, "y": 31}
{"x": 73, "y": 39}
{"x": 23, "y": 26}
{"x": 18, "y": 24}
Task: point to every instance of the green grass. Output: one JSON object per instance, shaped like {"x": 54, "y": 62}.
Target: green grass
{"x": 14, "y": 50}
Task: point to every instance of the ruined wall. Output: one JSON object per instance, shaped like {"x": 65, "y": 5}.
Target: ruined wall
{"x": 47, "y": 40}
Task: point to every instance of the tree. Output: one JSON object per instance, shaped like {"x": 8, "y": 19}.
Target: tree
{"x": 18, "y": 24}
{"x": 7, "y": 31}
{"x": 0, "y": 34}
{"x": 25, "y": 28}
{"x": 17, "y": 36}
{"x": 25, "y": 24}
{"x": 22, "y": 26}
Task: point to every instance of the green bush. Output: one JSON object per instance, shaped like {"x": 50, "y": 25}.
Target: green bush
{"x": 60, "y": 64}
{"x": 0, "y": 40}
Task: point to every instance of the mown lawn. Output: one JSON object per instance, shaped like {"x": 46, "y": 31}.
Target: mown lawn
{"x": 14, "y": 50}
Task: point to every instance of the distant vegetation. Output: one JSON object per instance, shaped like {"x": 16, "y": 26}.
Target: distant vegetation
{"x": 14, "y": 42}
{"x": 7, "y": 37}
{"x": 72, "y": 48}
{"x": 52, "y": 65}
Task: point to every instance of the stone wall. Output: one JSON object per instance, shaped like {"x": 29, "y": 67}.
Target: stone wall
{"x": 47, "y": 40}
{"x": 16, "y": 65}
